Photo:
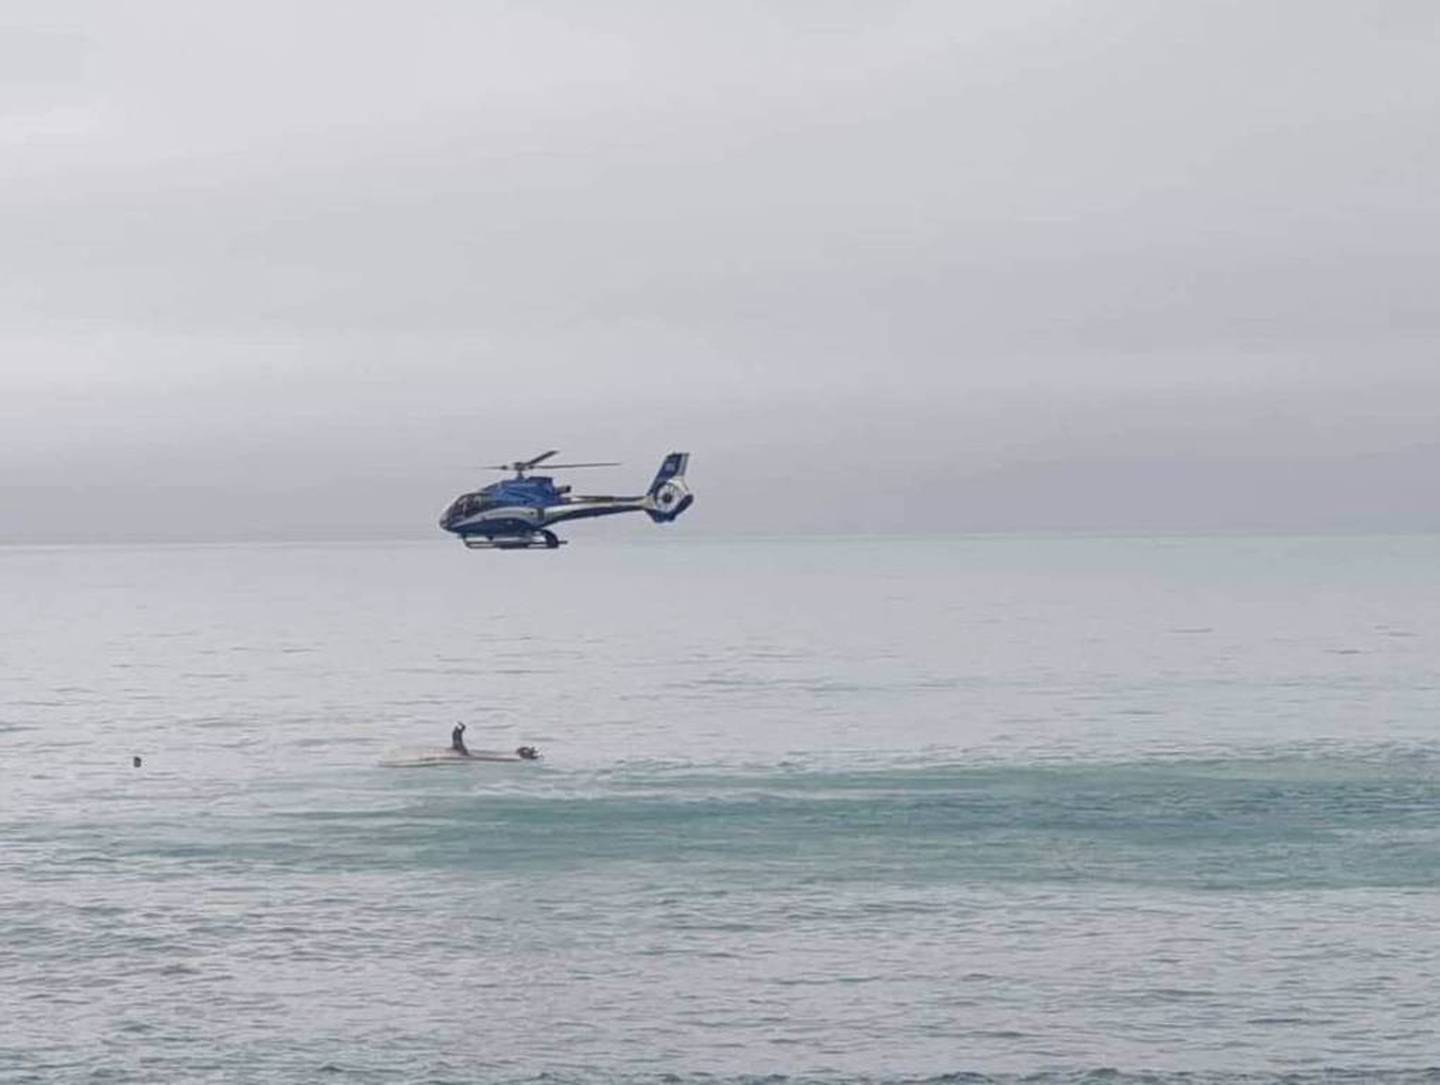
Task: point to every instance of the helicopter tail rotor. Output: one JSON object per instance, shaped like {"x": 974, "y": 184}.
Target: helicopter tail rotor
{"x": 668, "y": 495}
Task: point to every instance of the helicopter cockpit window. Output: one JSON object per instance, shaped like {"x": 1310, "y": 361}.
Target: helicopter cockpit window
{"x": 465, "y": 506}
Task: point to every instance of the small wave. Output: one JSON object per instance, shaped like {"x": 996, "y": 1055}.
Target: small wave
{"x": 1097, "y": 1076}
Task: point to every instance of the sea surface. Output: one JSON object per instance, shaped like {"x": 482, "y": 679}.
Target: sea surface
{"x": 811, "y": 810}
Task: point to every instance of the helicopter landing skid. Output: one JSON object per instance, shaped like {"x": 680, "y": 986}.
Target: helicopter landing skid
{"x": 541, "y": 540}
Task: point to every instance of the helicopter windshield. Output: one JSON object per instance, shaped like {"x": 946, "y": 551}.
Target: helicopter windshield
{"x": 467, "y": 505}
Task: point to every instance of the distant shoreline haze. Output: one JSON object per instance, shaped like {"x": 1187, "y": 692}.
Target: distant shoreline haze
{"x": 1392, "y": 492}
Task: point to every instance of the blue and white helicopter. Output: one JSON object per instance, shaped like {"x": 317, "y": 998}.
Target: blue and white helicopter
{"x": 517, "y": 513}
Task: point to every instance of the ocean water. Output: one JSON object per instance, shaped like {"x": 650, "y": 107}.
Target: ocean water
{"x": 817, "y": 810}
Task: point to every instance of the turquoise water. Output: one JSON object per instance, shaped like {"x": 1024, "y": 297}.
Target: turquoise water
{"x": 828, "y": 810}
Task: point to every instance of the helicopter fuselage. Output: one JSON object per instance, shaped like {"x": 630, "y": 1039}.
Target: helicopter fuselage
{"x": 517, "y": 513}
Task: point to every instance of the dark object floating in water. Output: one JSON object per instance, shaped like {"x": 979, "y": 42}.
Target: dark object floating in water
{"x": 135, "y": 761}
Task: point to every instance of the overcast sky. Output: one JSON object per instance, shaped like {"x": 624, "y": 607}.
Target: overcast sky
{"x": 275, "y": 269}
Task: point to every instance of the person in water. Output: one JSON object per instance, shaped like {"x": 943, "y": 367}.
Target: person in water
{"x": 457, "y": 739}
{"x": 528, "y": 753}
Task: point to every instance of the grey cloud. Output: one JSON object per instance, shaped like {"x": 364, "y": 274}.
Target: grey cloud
{"x": 295, "y": 248}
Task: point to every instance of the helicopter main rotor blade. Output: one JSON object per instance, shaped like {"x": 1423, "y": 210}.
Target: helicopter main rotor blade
{"x": 521, "y": 466}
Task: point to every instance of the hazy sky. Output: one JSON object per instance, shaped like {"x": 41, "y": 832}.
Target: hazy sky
{"x": 289, "y": 268}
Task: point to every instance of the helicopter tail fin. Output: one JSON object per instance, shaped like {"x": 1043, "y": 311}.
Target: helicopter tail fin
{"x": 668, "y": 495}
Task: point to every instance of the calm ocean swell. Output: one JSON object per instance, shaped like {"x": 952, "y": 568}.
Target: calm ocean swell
{"x": 1083, "y": 849}
{"x": 1272, "y": 823}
